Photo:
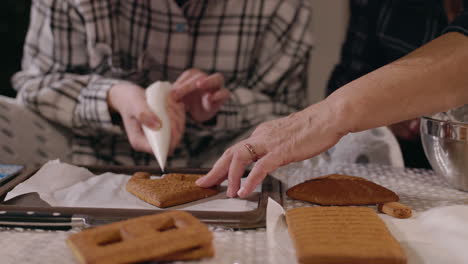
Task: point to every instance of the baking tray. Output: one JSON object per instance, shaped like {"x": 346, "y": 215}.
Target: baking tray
{"x": 271, "y": 187}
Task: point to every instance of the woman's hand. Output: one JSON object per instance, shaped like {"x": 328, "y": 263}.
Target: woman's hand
{"x": 276, "y": 143}
{"x": 202, "y": 94}
{"x": 129, "y": 101}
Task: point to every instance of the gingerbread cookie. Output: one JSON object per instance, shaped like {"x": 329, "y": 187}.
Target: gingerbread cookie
{"x": 168, "y": 236}
{"x": 396, "y": 210}
{"x": 351, "y": 235}
{"x": 172, "y": 189}
{"x": 336, "y": 189}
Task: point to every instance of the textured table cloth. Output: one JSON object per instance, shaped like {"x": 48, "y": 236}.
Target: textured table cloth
{"x": 420, "y": 189}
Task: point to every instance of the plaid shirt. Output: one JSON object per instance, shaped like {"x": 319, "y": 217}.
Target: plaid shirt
{"x": 76, "y": 50}
{"x": 385, "y": 30}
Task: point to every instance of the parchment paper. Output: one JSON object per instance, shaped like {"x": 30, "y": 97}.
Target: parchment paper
{"x": 62, "y": 184}
{"x": 439, "y": 235}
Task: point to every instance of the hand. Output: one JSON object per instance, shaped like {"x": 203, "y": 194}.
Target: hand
{"x": 201, "y": 94}
{"x": 129, "y": 101}
{"x": 407, "y": 130}
{"x": 275, "y": 143}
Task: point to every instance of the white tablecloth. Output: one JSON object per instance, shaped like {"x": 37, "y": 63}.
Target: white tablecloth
{"x": 420, "y": 189}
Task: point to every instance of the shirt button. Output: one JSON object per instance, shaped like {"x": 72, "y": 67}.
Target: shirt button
{"x": 180, "y": 27}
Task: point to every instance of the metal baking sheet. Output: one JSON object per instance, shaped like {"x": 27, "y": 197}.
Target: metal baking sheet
{"x": 238, "y": 220}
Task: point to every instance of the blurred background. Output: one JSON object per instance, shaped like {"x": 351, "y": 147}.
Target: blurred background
{"x": 329, "y": 23}
{"x": 328, "y": 26}
{"x": 14, "y": 21}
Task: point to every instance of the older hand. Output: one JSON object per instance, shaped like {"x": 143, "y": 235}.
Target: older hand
{"x": 275, "y": 143}
{"x": 201, "y": 94}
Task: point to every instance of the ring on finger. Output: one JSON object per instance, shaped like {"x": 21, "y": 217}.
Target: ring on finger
{"x": 252, "y": 152}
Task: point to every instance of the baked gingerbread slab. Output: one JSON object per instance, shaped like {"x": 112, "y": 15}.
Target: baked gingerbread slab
{"x": 338, "y": 235}
{"x": 336, "y": 189}
{"x": 168, "y": 236}
{"x": 172, "y": 189}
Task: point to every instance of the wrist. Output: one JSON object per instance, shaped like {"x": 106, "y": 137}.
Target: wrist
{"x": 116, "y": 96}
{"x": 338, "y": 115}
{"x": 112, "y": 97}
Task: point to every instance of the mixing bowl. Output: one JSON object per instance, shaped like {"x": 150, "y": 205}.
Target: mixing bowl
{"x": 445, "y": 143}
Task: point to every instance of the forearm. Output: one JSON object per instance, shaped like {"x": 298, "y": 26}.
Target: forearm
{"x": 74, "y": 101}
{"x": 57, "y": 79}
{"x": 431, "y": 79}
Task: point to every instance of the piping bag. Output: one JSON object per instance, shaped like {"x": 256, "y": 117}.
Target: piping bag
{"x": 156, "y": 97}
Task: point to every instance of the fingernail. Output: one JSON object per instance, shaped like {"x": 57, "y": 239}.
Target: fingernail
{"x": 199, "y": 181}
{"x": 155, "y": 125}
{"x": 241, "y": 192}
{"x": 198, "y": 83}
{"x": 149, "y": 121}
{"x": 152, "y": 124}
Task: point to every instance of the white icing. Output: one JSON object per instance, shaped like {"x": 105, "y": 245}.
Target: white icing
{"x": 156, "y": 97}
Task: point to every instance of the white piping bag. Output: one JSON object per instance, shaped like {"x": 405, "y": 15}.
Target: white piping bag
{"x": 156, "y": 97}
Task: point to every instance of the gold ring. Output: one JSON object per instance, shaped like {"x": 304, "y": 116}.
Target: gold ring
{"x": 252, "y": 152}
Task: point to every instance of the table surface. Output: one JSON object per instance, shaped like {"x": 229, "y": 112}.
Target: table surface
{"x": 420, "y": 189}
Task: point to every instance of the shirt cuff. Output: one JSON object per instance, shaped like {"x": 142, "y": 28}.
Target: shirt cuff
{"x": 460, "y": 24}
{"x": 94, "y": 111}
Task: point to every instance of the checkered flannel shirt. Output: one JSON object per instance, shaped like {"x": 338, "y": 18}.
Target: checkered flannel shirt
{"x": 76, "y": 50}
{"x": 382, "y": 31}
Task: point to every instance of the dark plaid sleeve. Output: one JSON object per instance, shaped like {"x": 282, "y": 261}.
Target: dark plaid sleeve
{"x": 460, "y": 24}
{"x": 277, "y": 82}
{"x": 55, "y": 80}
{"x": 360, "y": 49}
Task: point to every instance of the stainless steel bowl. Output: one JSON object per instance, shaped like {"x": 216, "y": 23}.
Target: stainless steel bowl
{"x": 446, "y": 146}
